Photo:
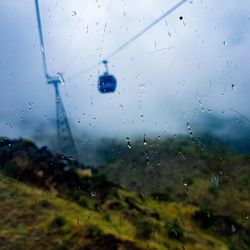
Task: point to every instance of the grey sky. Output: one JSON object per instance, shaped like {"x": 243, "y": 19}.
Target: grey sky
{"x": 176, "y": 72}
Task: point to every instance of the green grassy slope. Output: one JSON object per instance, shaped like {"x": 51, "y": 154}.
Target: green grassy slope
{"x": 46, "y": 204}
{"x": 35, "y": 219}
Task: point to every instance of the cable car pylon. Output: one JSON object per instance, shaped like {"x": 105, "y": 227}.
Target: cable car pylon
{"x": 65, "y": 140}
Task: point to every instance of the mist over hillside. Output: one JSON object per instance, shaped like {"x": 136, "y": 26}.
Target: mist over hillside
{"x": 234, "y": 131}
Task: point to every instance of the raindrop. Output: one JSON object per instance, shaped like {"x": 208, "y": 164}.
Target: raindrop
{"x": 60, "y": 76}
{"x": 144, "y": 140}
{"x": 29, "y": 104}
{"x": 128, "y": 141}
{"x": 142, "y": 87}
{"x": 189, "y": 129}
{"x": 9, "y": 124}
{"x": 201, "y": 105}
{"x": 147, "y": 157}
{"x": 233, "y": 86}
{"x": 182, "y": 155}
{"x": 181, "y": 18}
{"x": 93, "y": 193}
{"x": 233, "y": 228}
{"x": 74, "y": 13}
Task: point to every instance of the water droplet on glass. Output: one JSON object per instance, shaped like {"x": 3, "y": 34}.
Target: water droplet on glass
{"x": 128, "y": 141}
{"x": 60, "y": 76}
{"x": 144, "y": 140}
{"x": 93, "y": 193}
{"x": 233, "y": 228}
{"x": 29, "y": 104}
{"x": 74, "y": 13}
{"x": 9, "y": 124}
{"x": 189, "y": 129}
{"x": 142, "y": 88}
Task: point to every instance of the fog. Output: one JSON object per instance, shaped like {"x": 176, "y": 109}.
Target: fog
{"x": 179, "y": 71}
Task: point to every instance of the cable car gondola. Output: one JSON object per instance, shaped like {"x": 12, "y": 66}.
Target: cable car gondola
{"x": 107, "y": 83}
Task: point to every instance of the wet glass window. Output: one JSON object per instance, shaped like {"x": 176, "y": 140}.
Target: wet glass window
{"x": 125, "y": 124}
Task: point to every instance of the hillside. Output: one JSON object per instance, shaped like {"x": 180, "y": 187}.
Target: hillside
{"x": 47, "y": 204}
{"x": 203, "y": 171}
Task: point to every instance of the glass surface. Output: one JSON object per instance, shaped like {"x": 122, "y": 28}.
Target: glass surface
{"x": 161, "y": 160}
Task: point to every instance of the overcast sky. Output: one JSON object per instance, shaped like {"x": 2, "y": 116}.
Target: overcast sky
{"x": 175, "y": 73}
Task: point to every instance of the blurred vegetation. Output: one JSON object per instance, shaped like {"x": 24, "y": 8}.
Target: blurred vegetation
{"x": 187, "y": 194}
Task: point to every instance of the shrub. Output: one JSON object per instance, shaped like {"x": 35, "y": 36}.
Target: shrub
{"x": 59, "y": 221}
{"x": 97, "y": 207}
{"x": 94, "y": 232}
{"x": 174, "y": 230}
{"x": 214, "y": 191}
{"x": 61, "y": 247}
{"x": 116, "y": 205}
{"x": 232, "y": 247}
{"x": 161, "y": 196}
{"x": 82, "y": 202}
{"x": 12, "y": 170}
{"x": 45, "y": 204}
{"x": 145, "y": 228}
{"x": 106, "y": 217}
{"x": 188, "y": 181}
{"x": 155, "y": 215}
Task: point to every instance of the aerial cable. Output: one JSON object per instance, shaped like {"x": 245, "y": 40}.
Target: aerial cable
{"x": 131, "y": 40}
